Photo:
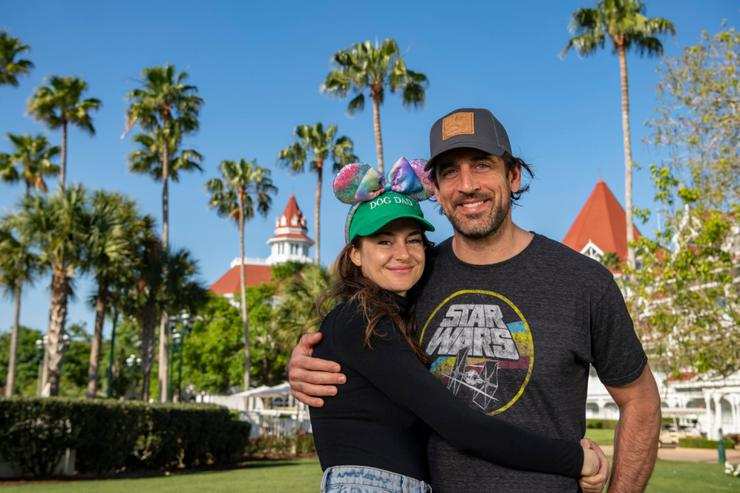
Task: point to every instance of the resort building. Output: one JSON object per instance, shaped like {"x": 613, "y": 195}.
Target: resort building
{"x": 289, "y": 243}
{"x": 704, "y": 405}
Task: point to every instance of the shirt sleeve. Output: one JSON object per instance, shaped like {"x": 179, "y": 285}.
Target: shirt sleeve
{"x": 616, "y": 351}
{"x": 394, "y": 369}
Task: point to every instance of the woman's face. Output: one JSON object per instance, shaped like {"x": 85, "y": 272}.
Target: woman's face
{"x": 394, "y": 257}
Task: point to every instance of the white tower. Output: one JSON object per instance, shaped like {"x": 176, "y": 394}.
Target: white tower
{"x": 290, "y": 241}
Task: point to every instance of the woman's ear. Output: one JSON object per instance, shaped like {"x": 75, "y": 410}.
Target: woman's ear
{"x": 355, "y": 257}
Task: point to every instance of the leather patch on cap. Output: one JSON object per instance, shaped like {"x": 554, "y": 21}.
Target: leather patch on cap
{"x": 461, "y": 123}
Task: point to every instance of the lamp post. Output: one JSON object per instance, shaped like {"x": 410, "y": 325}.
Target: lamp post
{"x": 41, "y": 348}
{"x": 181, "y": 328}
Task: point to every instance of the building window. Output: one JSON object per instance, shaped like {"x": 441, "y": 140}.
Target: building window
{"x": 592, "y": 252}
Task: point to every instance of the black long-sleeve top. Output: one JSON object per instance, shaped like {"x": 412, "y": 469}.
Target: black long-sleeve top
{"x": 382, "y": 415}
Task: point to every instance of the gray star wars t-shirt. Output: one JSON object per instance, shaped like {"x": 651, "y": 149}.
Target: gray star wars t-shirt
{"x": 515, "y": 339}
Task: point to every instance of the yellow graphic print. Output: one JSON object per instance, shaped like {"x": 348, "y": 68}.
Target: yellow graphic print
{"x": 481, "y": 348}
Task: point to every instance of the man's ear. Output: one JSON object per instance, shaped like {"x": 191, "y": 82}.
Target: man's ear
{"x": 355, "y": 257}
{"x": 515, "y": 178}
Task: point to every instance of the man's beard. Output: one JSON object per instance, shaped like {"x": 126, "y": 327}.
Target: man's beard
{"x": 484, "y": 227}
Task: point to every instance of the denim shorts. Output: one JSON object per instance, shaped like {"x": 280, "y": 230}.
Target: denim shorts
{"x": 363, "y": 479}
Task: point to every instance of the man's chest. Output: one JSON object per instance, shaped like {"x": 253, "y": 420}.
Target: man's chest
{"x": 494, "y": 343}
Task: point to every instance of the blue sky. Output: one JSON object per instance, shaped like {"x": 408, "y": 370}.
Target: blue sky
{"x": 259, "y": 65}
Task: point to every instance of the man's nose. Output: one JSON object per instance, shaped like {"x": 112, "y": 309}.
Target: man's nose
{"x": 467, "y": 183}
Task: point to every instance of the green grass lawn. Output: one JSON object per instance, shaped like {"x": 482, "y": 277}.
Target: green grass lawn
{"x": 602, "y": 437}
{"x": 305, "y": 475}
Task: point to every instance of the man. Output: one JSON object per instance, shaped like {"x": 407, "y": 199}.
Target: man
{"x": 511, "y": 321}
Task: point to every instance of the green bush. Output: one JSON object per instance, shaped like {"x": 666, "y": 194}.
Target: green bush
{"x": 273, "y": 447}
{"x": 110, "y": 436}
{"x": 699, "y": 442}
{"x": 601, "y": 424}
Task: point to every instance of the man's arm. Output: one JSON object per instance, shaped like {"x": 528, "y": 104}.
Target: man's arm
{"x": 636, "y": 436}
{"x": 312, "y": 378}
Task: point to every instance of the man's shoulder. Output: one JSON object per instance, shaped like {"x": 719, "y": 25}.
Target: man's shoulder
{"x": 569, "y": 261}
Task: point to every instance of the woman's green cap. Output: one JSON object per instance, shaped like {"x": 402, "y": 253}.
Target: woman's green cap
{"x": 367, "y": 218}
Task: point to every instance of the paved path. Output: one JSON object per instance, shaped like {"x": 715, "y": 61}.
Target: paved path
{"x": 688, "y": 454}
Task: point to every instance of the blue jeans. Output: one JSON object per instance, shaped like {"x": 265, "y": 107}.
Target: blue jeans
{"x": 363, "y": 479}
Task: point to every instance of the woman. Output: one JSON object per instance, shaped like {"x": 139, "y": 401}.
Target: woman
{"x": 372, "y": 436}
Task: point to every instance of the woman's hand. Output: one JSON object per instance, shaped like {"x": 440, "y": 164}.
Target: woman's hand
{"x": 595, "y": 471}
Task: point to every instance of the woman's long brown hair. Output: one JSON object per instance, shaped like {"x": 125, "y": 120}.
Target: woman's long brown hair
{"x": 375, "y": 302}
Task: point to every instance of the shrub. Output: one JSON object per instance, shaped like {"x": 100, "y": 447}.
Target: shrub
{"x": 601, "y": 424}
{"x": 110, "y": 436}
{"x": 285, "y": 447}
{"x": 700, "y": 442}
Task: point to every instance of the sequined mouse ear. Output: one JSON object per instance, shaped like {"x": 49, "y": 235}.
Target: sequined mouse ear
{"x": 408, "y": 176}
{"x": 357, "y": 182}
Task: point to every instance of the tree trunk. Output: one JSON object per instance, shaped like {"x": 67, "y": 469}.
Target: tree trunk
{"x": 147, "y": 320}
{"x": 57, "y": 319}
{"x": 97, "y": 342}
{"x": 63, "y": 168}
{"x": 317, "y": 209}
{"x": 376, "y": 129}
{"x": 164, "y": 367}
{"x": 111, "y": 355}
{"x": 243, "y": 286}
{"x": 626, "y": 137}
{"x": 10, "y": 380}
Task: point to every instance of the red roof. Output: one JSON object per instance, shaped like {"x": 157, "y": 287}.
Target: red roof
{"x": 292, "y": 209}
{"x": 602, "y": 222}
{"x": 229, "y": 282}
{"x": 292, "y": 218}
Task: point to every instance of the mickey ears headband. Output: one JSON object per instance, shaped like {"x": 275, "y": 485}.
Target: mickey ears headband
{"x": 356, "y": 183}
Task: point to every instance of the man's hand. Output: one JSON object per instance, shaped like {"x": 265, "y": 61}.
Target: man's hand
{"x": 312, "y": 378}
{"x": 595, "y": 482}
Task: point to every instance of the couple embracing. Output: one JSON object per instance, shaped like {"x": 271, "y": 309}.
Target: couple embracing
{"x": 464, "y": 366}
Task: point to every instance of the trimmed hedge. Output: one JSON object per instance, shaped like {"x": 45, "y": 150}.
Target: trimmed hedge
{"x": 611, "y": 424}
{"x": 699, "y": 442}
{"x": 601, "y": 424}
{"x": 272, "y": 447}
{"x": 111, "y": 436}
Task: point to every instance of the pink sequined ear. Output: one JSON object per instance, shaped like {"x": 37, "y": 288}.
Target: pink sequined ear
{"x": 424, "y": 177}
{"x": 357, "y": 182}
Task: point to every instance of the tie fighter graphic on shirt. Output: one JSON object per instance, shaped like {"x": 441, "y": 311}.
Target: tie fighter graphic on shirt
{"x": 481, "y": 379}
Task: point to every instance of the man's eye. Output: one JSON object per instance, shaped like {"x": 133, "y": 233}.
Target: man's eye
{"x": 384, "y": 242}
{"x": 483, "y": 165}
{"x": 415, "y": 240}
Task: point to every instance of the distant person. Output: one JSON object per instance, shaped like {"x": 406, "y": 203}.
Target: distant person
{"x": 372, "y": 436}
{"x": 511, "y": 322}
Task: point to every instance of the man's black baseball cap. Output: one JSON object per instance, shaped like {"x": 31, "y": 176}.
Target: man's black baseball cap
{"x": 474, "y": 128}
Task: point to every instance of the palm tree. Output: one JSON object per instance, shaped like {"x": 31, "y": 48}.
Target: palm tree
{"x": 625, "y": 24}
{"x": 166, "y": 108}
{"x": 243, "y": 189}
{"x": 57, "y": 227}
{"x": 314, "y": 141}
{"x": 30, "y": 161}
{"x": 18, "y": 266}
{"x": 297, "y": 310}
{"x": 137, "y": 293}
{"x": 10, "y": 66}
{"x": 109, "y": 251}
{"x": 60, "y": 104}
{"x": 372, "y": 67}
{"x": 147, "y": 158}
